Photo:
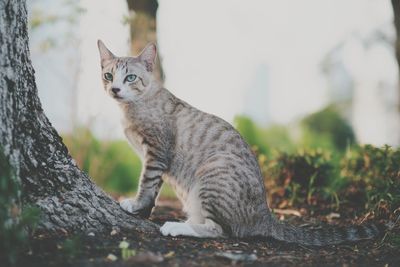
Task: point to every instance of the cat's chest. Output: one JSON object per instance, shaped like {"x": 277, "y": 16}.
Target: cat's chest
{"x": 135, "y": 139}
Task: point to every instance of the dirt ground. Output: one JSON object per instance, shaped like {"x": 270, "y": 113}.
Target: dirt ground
{"x": 156, "y": 250}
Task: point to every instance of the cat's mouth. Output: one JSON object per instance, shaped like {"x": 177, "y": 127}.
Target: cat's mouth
{"x": 117, "y": 97}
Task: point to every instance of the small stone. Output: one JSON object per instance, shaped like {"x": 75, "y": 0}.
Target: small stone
{"x": 234, "y": 257}
{"x": 111, "y": 257}
{"x": 114, "y": 232}
{"x": 91, "y": 234}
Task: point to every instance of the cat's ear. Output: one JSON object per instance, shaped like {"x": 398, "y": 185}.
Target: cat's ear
{"x": 105, "y": 54}
{"x": 148, "y": 56}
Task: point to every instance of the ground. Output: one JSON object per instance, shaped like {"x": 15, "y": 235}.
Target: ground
{"x": 156, "y": 250}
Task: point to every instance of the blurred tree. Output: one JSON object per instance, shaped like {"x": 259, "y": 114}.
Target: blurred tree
{"x": 327, "y": 125}
{"x": 396, "y": 13}
{"x": 143, "y": 25}
{"x": 67, "y": 198}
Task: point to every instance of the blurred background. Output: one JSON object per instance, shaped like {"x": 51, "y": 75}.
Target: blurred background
{"x": 307, "y": 83}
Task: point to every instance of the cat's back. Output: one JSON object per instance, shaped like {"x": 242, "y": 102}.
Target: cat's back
{"x": 200, "y": 136}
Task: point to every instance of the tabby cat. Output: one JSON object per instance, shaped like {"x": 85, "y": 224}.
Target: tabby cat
{"x": 211, "y": 168}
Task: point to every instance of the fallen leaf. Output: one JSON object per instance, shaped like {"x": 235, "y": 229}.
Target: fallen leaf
{"x": 288, "y": 212}
{"x": 332, "y": 216}
{"x": 169, "y": 254}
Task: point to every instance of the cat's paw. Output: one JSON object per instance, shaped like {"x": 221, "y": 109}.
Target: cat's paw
{"x": 177, "y": 228}
{"x": 128, "y": 205}
{"x": 132, "y": 206}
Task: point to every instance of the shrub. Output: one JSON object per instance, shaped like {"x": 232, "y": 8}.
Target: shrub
{"x": 250, "y": 132}
{"x": 264, "y": 139}
{"x": 301, "y": 176}
{"x": 375, "y": 177}
{"x": 327, "y": 129}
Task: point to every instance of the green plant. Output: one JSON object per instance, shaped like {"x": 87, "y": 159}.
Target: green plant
{"x": 265, "y": 140}
{"x": 13, "y": 221}
{"x": 375, "y": 172}
{"x": 126, "y": 252}
{"x": 112, "y": 164}
{"x": 393, "y": 239}
{"x": 327, "y": 129}
{"x": 72, "y": 246}
{"x": 301, "y": 176}
{"x": 251, "y": 132}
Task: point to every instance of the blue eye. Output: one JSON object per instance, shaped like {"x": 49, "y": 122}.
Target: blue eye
{"x": 130, "y": 78}
{"x": 108, "y": 76}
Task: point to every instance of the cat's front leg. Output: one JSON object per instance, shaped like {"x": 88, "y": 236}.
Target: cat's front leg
{"x": 149, "y": 187}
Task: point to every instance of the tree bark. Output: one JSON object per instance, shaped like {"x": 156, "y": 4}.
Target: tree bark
{"x": 69, "y": 201}
{"x": 396, "y": 13}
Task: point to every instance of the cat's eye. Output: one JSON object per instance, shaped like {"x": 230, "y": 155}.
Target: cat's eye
{"x": 108, "y": 76}
{"x": 130, "y": 78}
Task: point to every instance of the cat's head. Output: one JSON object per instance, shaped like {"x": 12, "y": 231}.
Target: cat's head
{"x": 127, "y": 79}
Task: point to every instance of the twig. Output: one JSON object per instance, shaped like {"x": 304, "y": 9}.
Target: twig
{"x": 288, "y": 212}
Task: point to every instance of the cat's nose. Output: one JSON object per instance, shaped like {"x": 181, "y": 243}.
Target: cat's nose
{"x": 115, "y": 90}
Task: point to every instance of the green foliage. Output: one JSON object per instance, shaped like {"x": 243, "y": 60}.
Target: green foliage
{"x": 367, "y": 176}
{"x": 327, "y": 129}
{"x": 39, "y": 18}
{"x": 265, "y": 139}
{"x": 112, "y": 164}
{"x": 393, "y": 239}
{"x": 72, "y": 247}
{"x": 248, "y": 129}
{"x": 324, "y": 129}
{"x": 13, "y": 222}
{"x": 376, "y": 174}
{"x": 302, "y": 175}
{"x": 126, "y": 252}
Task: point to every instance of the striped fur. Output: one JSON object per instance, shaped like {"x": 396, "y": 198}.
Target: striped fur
{"x": 211, "y": 168}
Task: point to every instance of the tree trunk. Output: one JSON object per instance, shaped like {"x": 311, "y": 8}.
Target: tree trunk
{"x": 69, "y": 201}
{"x": 396, "y": 13}
{"x": 143, "y": 29}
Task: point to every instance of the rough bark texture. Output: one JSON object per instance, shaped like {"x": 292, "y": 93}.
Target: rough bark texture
{"x": 67, "y": 198}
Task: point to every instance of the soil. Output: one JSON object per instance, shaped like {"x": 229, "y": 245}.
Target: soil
{"x": 152, "y": 249}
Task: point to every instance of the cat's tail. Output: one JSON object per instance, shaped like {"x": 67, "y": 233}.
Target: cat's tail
{"x": 327, "y": 235}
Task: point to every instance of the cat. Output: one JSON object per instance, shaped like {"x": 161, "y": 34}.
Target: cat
{"x": 212, "y": 169}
